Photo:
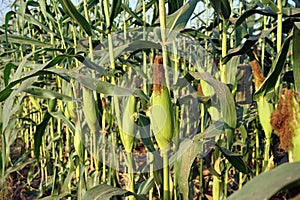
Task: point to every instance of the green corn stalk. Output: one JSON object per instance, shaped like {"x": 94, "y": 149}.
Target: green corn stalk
{"x": 161, "y": 118}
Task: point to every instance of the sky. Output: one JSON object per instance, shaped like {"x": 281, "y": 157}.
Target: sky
{"x": 4, "y": 8}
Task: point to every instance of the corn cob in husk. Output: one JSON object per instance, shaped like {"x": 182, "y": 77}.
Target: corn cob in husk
{"x": 89, "y": 109}
{"x": 127, "y": 125}
{"x": 161, "y": 107}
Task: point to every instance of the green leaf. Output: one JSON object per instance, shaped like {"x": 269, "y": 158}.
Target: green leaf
{"x": 235, "y": 159}
{"x": 71, "y": 10}
{"x": 232, "y": 64}
{"x": 188, "y": 151}
{"x": 7, "y": 18}
{"x": 60, "y": 115}
{"x": 296, "y": 55}
{"x": 224, "y": 96}
{"x": 100, "y": 86}
{"x": 132, "y": 14}
{"x": 270, "y": 82}
{"x": 269, "y": 183}
{"x": 194, "y": 33}
{"x": 174, "y": 5}
{"x": 105, "y": 192}
{"x": 178, "y": 20}
{"x": 146, "y": 186}
{"x": 291, "y": 12}
{"x": 253, "y": 11}
{"x": 115, "y": 10}
{"x": 7, "y": 71}
{"x": 24, "y": 40}
{"x": 271, "y": 4}
{"x": 242, "y": 49}
{"x": 46, "y": 94}
{"x": 40, "y": 130}
{"x": 4, "y": 94}
{"x": 36, "y": 22}
{"x": 136, "y": 45}
{"x": 222, "y": 7}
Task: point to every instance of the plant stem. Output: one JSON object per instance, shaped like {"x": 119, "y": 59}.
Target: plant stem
{"x": 279, "y": 25}
{"x": 130, "y": 184}
{"x": 166, "y": 186}
{"x": 224, "y": 51}
{"x": 162, "y": 19}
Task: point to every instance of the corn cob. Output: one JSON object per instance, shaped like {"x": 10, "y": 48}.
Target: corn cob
{"x": 264, "y": 109}
{"x": 89, "y": 109}
{"x": 127, "y": 125}
{"x": 161, "y": 110}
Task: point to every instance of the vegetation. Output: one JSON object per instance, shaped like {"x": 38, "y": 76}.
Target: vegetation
{"x": 150, "y": 99}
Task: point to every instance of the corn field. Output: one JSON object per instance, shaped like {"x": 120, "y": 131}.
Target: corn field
{"x": 150, "y": 99}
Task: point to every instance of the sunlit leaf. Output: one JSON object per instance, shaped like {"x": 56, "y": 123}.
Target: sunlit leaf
{"x": 105, "y": 192}
{"x": 265, "y": 185}
{"x": 270, "y": 82}
{"x": 74, "y": 14}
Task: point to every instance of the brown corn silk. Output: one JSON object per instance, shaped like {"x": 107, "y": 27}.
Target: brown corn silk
{"x": 284, "y": 118}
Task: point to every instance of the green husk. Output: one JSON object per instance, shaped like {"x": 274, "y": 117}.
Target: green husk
{"x": 161, "y": 109}
{"x": 127, "y": 126}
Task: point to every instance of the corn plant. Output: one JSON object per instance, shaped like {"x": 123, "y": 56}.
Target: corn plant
{"x": 150, "y": 99}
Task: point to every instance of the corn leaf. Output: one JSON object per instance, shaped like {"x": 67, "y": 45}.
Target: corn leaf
{"x": 7, "y": 18}
{"x": 4, "y": 94}
{"x": 222, "y": 7}
{"x": 253, "y": 11}
{"x": 174, "y": 5}
{"x": 24, "y": 40}
{"x": 296, "y": 55}
{"x": 115, "y": 10}
{"x": 270, "y": 81}
{"x": 271, "y": 4}
{"x": 46, "y": 94}
{"x": 225, "y": 98}
{"x": 132, "y": 14}
{"x": 6, "y": 72}
{"x": 291, "y": 12}
{"x": 235, "y": 159}
{"x": 38, "y": 135}
{"x": 71, "y": 10}
{"x": 178, "y": 20}
{"x": 268, "y": 183}
{"x": 105, "y": 192}
{"x": 146, "y": 186}
{"x": 242, "y": 49}
{"x": 188, "y": 151}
